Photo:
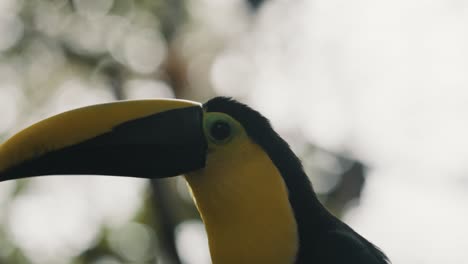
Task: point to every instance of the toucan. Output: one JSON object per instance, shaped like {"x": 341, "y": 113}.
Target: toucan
{"x": 256, "y": 201}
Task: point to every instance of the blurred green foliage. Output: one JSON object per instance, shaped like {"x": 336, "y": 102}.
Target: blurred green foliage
{"x": 59, "y": 54}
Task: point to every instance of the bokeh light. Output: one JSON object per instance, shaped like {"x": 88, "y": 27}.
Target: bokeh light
{"x": 141, "y": 89}
{"x": 134, "y": 242}
{"x": 192, "y": 242}
{"x": 382, "y": 83}
{"x": 144, "y": 50}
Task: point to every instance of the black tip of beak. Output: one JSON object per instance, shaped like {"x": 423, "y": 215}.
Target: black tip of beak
{"x": 161, "y": 145}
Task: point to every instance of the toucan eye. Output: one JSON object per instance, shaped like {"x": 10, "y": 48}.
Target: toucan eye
{"x": 220, "y": 130}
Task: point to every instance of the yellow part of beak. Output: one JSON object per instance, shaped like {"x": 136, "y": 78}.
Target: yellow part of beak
{"x": 78, "y": 125}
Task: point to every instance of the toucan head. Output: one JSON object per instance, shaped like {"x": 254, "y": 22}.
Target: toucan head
{"x": 233, "y": 160}
{"x": 140, "y": 138}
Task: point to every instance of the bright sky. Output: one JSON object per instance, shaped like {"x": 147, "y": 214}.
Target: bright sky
{"x": 386, "y": 81}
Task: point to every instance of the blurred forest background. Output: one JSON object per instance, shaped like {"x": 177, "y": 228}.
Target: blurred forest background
{"x": 372, "y": 95}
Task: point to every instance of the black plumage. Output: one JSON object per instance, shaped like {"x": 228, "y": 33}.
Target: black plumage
{"x": 323, "y": 238}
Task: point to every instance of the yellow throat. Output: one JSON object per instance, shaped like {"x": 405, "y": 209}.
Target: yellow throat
{"x": 244, "y": 204}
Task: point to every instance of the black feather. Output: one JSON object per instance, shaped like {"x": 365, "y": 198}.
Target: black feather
{"x": 324, "y": 239}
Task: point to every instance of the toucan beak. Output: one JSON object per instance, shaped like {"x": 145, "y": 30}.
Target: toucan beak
{"x": 144, "y": 138}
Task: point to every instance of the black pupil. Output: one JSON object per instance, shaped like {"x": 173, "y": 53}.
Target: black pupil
{"x": 220, "y": 130}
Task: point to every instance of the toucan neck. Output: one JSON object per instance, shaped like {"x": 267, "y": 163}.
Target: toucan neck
{"x": 312, "y": 218}
{"x": 246, "y": 210}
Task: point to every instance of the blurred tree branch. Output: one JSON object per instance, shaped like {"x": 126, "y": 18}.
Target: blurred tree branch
{"x": 348, "y": 190}
{"x": 255, "y": 4}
